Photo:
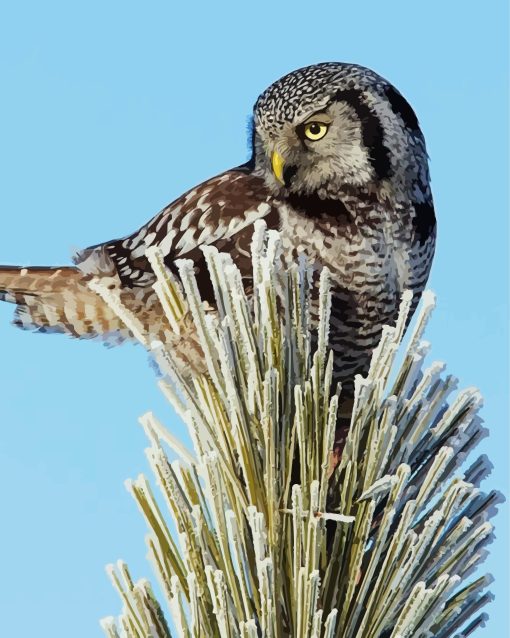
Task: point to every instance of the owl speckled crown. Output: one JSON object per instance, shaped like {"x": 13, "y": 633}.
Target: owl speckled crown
{"x": 293, "y": 93}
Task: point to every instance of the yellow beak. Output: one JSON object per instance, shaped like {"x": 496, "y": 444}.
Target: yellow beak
{"x": 278, "y": 163}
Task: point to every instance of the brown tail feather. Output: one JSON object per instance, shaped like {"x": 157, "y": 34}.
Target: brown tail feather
{"x": 58, "y": 300}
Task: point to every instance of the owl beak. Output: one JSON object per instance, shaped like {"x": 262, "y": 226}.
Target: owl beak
{"x": 278, "y": 164}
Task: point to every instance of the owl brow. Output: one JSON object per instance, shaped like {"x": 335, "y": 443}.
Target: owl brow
{"x": 319, "y": 116}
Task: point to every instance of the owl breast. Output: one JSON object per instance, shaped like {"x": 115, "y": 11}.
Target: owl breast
{"x": 371, "y": 256}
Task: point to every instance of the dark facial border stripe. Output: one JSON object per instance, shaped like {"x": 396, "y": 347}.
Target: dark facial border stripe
{"x": 424, "y": 221}
{"x": 400, "y": 106}
{"x": 372, "y": 131}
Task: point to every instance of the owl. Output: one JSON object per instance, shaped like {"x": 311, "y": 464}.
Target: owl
{"x": 338, "y": 166}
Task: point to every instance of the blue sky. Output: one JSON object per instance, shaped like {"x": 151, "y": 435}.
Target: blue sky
{"x": 110, "y": 110}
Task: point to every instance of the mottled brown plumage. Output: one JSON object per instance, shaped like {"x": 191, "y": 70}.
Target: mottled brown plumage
{"x": 338, "y": 166}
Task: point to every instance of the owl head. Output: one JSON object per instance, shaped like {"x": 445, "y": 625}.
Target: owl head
{"x": 330, "y": 127}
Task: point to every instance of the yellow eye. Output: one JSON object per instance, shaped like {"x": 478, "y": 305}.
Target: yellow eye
{"x": 315, "y": 130}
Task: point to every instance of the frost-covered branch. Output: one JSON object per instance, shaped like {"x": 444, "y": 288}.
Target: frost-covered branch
{"x": 269, "y": 543}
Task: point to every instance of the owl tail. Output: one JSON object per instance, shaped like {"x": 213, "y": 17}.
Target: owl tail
{"x": 58, "y": 300}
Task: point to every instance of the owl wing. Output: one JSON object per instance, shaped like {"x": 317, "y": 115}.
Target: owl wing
{"x": 219, "y": 212}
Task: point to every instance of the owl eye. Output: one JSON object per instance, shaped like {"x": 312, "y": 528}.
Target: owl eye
{"x": 315, "y": 130}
